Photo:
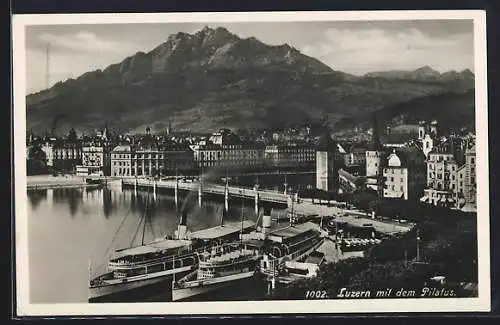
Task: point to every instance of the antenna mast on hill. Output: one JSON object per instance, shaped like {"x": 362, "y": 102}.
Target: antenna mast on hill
{"x": 47, "y": 72}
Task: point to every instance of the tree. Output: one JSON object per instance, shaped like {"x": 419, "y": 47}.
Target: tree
{"x": 36, "y": 160}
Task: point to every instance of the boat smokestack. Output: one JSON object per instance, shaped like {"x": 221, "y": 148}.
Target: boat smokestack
{"x": 266, "y": 221}
{"x": 182, "y": 228}
{"x": 183, "y": 218}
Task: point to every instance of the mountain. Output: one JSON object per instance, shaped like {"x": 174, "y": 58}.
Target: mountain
{"x": 425, "y": 73}
{"x": 452, "y": 111}
{"x": 212, "y": 79}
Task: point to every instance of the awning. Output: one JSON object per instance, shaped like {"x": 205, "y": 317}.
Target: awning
{"x": 424, "y": 199}
{"x": 451, "y": 200}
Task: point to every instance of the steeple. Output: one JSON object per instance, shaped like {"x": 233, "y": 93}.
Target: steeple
{"x": 72, "y": 135}
{"x": 376, "y": 134}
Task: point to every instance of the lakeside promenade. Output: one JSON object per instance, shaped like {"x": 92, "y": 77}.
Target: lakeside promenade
{"x": 50, "y": 181}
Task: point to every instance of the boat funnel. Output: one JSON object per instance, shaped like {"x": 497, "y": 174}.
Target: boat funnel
{"x": 266, "y": 221}
{"x": 183, "y": 218}
{"x": 181, "y": 232}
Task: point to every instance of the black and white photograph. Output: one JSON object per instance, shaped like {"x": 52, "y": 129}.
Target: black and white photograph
{"x": 306, "y": 162}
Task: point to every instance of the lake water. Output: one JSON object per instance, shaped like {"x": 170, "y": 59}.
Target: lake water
{"x": 74, "y": 228}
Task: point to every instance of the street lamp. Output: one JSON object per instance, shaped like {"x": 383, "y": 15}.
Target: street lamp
{"x": 418, "y": 245}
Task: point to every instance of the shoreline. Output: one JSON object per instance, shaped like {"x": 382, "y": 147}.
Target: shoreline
{"x": 39, "y": 182}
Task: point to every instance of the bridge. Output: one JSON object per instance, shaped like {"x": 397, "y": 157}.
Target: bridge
{"x": 210, "y": 188}
{"x": 301, "y": 208}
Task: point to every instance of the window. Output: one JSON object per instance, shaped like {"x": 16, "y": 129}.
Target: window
{"x": 401, "y": 188}
{"x": 402, "y": 180}
{"x": 393, "y": 187}
{"x": 472, "y": 160}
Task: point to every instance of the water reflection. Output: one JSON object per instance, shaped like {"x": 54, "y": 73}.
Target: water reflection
{"x": 36, "y": 197}
{"x": 69, "y": 226}
{"x": 107, "y": 205}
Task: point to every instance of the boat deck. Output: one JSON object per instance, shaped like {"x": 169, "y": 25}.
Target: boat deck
{"x": 222, "y": 231}
{"x": 153, "y": 247}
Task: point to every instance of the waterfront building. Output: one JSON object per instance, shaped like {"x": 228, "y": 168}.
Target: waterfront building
{"x": 96, "y": 159}
{"x": 176, "y": 157}
{"x": 48, "y": 148}
{"x": 290, "y": 155}
{"x": 231, "y": 154}
{"x": 150, "y": 160}
{"x": 67, "y": 153}
{"x": 121, "y": 161}
{"x": 404, "y": 173}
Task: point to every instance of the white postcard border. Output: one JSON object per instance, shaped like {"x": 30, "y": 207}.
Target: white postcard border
{"x": 25, "y": 308}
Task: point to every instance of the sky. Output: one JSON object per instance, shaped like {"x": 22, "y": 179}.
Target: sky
{"x": 355, "y": 47}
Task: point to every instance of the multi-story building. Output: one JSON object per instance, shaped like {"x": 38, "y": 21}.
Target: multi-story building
{"x": 121, "y": 161}
{"x": 404, "y": 174}
{"x": 443, "y": 164}
{"x": 290, "y": 155}
{"x": 96, "y": 158}
{"x": 470, "y": 192}
{"x": 177, "y": 157}
{"x": 146, "y": 161}
{"x": 143, "y": 161}
{"x": 48, "y": 148}
{"x": 67, "y": 154}
{"x": 451, "y": 180}
{"x": 355, "y": 156}
{"x": 210, "y": 155}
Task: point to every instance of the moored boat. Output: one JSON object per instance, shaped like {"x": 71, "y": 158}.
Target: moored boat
{"x": 147, "y": 264}
{"x": 223, "y": 266}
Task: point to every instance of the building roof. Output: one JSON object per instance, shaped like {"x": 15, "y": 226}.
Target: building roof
{"x": 398, "y": 138}
{"x": 405, "y": 128}
{"x": 350, "y": 177}
{"x": 410, "y": 156}
{"x": 121, "y": 148}
{"x": 326, "y": 143}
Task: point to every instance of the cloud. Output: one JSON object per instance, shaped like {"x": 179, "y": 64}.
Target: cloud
{"x": 71, "y": 55}
{"x": 85, "y": 42}
{"x": 365, "y": 50}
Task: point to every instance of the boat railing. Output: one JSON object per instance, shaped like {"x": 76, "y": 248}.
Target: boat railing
{"x": 278, "y": 263}
{"x": 215, "y": 262}
{"x": 130, "y": 266}
{"x": 188, "y": 277}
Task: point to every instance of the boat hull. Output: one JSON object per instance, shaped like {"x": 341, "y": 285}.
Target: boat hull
{"x": 208, "y": 285}
{"x": 112, "y": 288}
